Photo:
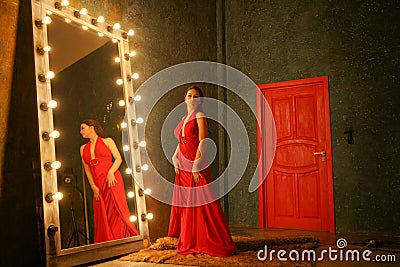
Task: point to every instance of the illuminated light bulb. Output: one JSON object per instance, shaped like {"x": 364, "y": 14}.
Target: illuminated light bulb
{"x": 83, "y": 11}
{"x": 145, "y": 167}
{"x": 114, "y": 40}
{"x": 131, "y": 32}
{"x": 47, "y": 48}
{"x": 117, "y": 59}
{"x": 47, "y": 20}
{"x": 100, "y": 19}
{"x": 121, "y": 103}
{"x": 52, "y": 104}
{"x": 131, "y": 194}
{"x": 119, "y": 81}
{"x": 133, "y": 218}
{"x": 54, "y": 134}
{"x": 56, "y": 164}
{"x": 58, "y": 196}
{"x": 84, "y": 27}
{"x": 147, "y": 191}
{"x": 65, "y": 3}
{"x": 128, "y": 171}
{"x": 67, "y": 20}
{"x": 116, "y": 26}
{"x": 124, "y": 125}
{"x": 48, "y": 12}
{"x": 125, "y": 148}
{"x": 135, "y": 76}
{"x": 149, "y": 216}
{"x": 137, "y": 98}
{"x": 142, "y": 144}
{"x": 139, "y": 120}
{"x": 132, "y": 53}
{"x": 49, "y": 75}
{"x": 100, "y": 34}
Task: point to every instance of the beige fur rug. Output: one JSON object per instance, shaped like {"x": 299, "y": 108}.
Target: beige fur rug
{"x": 164, "y": 251}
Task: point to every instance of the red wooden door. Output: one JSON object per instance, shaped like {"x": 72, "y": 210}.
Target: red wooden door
{"x": 298, "y": 191}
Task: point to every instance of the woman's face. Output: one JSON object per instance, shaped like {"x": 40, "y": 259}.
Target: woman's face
{"x": 86, "y": 130}
{"x": 192, "y": 97}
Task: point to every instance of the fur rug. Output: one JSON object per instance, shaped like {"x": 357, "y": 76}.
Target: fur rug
{"x": 164, "y": 251}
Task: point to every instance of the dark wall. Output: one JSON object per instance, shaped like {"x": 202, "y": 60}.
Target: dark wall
{"x": 356, "y": 44}
{"x": 20, "y": 196}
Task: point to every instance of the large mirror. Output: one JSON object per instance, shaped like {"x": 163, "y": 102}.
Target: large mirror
{"x": 92, "y": 80}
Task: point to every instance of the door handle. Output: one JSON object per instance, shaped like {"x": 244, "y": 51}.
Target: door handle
{"x": 322, "y": 153}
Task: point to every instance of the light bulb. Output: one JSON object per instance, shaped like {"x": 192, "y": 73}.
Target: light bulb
{"x": 116, "y": 26}
{"x": 114, "y": 40}
{"x": 145, "y": 167}
{"x": 133, "y": 218}
{"x": 147, "y": 191}
{"x": 128, "y": 171}
{"x": 139, "y": 120}
{"x": 47, "y": 48}
{"x": 67, "y": 20}
{"x": 131, "y": 32}
{"x": 124, "y": 125}
{"x": 135, "y": 76}
{"x": 84, "y": 27}
{"x": 149, "y": 216}
{"x": 47, "y": 20}
{"x": 55, "y": 165}
{"x": 117, "y": 59}
{"x": 65, "y": 3}
{"x": 48, "y": 12}
{"x": 52, "y": 104}
{"x": 125, "y": 148}
{"x": 142, "y": 143}
{"x": 83, "y": 11}
{"x": 119, "y": 82}
{"x": 132, "y": 53}
{"x": 131, "y": 194}
{"x": 121, "y": 103}
{"x": 100, "y": 34}
{"x": 54, "y": 134}
{"x": 100, "y": 19}
{"x": 58, "y": 196}
{"x": 50, "y": 75}
{"x": 137, "y": 98}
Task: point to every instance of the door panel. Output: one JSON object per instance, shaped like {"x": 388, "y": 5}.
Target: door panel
{"x": 299, "y": 186}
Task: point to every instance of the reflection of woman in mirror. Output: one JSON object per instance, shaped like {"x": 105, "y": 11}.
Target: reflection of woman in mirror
{"x": 111, "y": 212}
{"x": 201, "y": 229}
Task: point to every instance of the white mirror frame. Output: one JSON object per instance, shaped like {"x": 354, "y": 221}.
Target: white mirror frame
{"x": 55, "y": 256}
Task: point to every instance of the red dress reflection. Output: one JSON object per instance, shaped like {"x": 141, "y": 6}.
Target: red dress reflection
{"x": 201, "y": 229}
{"x": 111, "y": 212}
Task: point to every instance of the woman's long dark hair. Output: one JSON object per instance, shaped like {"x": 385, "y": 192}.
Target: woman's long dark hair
{"x": 97, "y": 127}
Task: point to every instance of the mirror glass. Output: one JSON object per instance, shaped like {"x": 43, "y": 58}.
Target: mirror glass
{"x": 84, "y": 87}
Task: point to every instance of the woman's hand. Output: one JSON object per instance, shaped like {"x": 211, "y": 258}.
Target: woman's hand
{"x": 196, "y": 176}
{"x": 111, "y": 181}
{"x": 175, "y": 161}
{"x": 96, "y": 192}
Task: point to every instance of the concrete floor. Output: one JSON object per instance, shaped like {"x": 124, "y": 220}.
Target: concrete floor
{"x": 390, "y": 248}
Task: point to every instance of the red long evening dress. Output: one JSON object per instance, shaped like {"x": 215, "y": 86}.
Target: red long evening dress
{"x": 111, "y": 212}
{"x": 201, "y": 229}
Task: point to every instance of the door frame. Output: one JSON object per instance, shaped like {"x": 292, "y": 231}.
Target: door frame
{"x": 260, "y": 108}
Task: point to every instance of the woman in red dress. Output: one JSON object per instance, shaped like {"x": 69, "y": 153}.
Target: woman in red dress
{"x": 111, "y": 212}
{"x": 200, "y": 228}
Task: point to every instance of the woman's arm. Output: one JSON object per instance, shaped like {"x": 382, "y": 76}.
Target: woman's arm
{"x": 203, "y": 133}
{"x": 95, "y": 189}
{"x": 117, "y": 161}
